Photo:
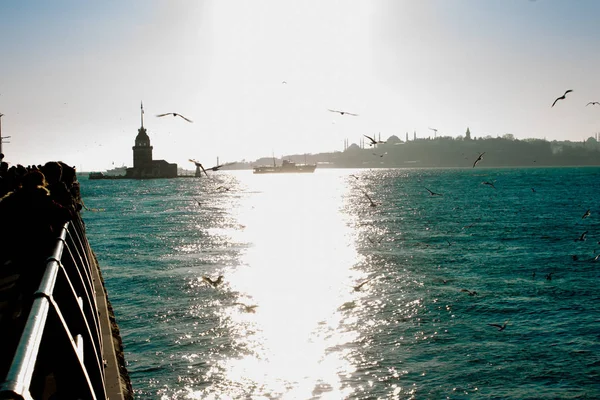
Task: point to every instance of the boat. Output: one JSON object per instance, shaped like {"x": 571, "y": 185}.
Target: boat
{"x": 286, "y": 166}
{"x": 117, "y": 171}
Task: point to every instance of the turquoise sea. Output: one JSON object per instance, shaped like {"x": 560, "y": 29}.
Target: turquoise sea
{"x": 287, "y": 323}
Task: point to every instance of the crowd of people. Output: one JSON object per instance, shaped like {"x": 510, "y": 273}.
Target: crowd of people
{"x": 35, "y": 203}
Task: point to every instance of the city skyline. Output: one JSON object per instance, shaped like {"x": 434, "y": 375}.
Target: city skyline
{"x": 262, "y": 77}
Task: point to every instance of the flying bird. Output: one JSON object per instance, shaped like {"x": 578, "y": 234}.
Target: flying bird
{"x": 212, "y": 283}
{"x": 478, "y": 159}
{"x": 363, "y": 283}
{"x": 500, "y": 327}
{"x": 373, "y": 141}
{"x": 373, "y": 204}
{"x": 373, "y": 242}
{"x": 433, "y": 193}
{"x": 587, "y": 214}
{"x": 582, "y": 237}
{"x": 592, "y": 103}
{"x": 343, "y": 112}
{"x": 561, "y": 97}
{"x": 471, "y": 293}
{"x": 217, "y": 167}
{"x": 198, "y": 165}
{"x": 175, "y": 115}
{"x": 247, "y": 308}
{"x": 489, "y": 184}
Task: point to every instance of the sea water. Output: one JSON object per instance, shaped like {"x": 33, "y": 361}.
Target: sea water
{"x": 287, "y": 321}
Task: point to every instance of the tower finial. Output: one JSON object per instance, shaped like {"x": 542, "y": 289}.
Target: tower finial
{"x": 142, "y": 115}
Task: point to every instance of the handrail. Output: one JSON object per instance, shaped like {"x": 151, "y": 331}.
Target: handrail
{"x": 60, "y": 349}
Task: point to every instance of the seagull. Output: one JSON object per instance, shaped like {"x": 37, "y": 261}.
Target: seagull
{"x": 198, "y": 201}
{"x": 471, "y": 293}
{"x": 587, "y": 214}
{"x": 592, "y": 103}
{"x": 582, "y": 237}
{"x": 500, "y": 327}
{"x": 478, "y": 159}
{"x": 343, "y": 112}
{"x": 433, "y": 193}
{"x": 373, "y": 204}
{"x": 247, "y": 308}
{"x": 284, "y": 83}
{"x": 217, "y": 167}
{"x": 373, "y": 242}
{"x": 212, "y": 283}
{"x": 561, "y": 97}
{"x": 489, "y": 184}
{"x": 373, "y": 141}
{"x": 533, "y": 190}
{"x": 549, "y": 276}
{"x": 175, "y": 115}
{"x": 363, "y": 283}
{"x": 199, "y": 165}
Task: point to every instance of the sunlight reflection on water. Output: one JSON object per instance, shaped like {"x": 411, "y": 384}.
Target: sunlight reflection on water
{"x": 298, "y": 272}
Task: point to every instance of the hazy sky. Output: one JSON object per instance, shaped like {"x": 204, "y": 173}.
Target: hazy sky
{"x": 73, "y": 74}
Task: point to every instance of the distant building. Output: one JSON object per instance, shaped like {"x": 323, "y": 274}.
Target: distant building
{"x": 144, "y": 167}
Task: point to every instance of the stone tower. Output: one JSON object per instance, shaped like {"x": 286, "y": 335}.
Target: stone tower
{"x": 142, "y": 151}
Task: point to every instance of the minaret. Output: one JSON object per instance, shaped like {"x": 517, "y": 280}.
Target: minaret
{"x": 142, "y": 151}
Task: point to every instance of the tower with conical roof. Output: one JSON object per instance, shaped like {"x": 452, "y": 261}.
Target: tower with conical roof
{"x": 142, "y": 151}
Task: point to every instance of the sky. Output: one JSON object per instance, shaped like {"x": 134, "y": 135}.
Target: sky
{"x": 73, "y": 75}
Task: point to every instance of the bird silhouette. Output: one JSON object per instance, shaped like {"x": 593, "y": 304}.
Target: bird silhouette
{"x": 478, "y": 159}
{"x": 582, "y": 237}
{"x": 433, "y": 193}
{"x": 212, "y": 283}
{"x": 217, "y": 167}
{"x": 373, "y": 141}
{"x": 489, "y": 184}
{"x": 561, "y": 97}
{"x": 374, "y": 242}
{"x": 199, "y": 165}
{"x": 592, "y": 103}
{"x": 175, "y": 115}
{"x": 471, "y": 293}
{"x": 373, "y": 204}
{"x": 247, "y": 308}
{"x": 587, "y": 214}
{"x": 363, "y": 283}
{"x": 500, "y": 327}
{"x": 343, "y": 112}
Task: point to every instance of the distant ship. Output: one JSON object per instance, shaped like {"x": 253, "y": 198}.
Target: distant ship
{"x": 118, "y": 171}
{"x": 286, "y": 166}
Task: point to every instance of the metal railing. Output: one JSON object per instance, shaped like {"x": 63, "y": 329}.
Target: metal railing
{"x": 59, "y": 354}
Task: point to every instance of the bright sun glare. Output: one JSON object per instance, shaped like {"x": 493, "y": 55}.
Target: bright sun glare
{"x": 298, "y": 290}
